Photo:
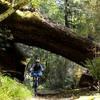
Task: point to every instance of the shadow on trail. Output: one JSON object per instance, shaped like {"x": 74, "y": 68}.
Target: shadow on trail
{"x": 61, "y": 95}
{"x": 52, "y": 95}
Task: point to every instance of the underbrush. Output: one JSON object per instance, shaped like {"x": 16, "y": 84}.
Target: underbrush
{"x": 11, "y": 89}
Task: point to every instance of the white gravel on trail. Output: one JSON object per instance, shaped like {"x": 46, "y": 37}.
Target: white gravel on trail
{"x": 38, "y": 98}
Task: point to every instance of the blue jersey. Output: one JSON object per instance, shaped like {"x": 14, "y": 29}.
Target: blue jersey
{"x": 36, "y": 68}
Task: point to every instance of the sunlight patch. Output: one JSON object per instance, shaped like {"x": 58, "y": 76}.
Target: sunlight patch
{"x": 89, "y": 98}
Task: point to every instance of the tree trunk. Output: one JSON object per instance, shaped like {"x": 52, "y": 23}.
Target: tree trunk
{"x": 8, "y": 9}
{"x": 11, "y": 61}
{"x": 67, "y": 13}
{"x": 33, "y": 29}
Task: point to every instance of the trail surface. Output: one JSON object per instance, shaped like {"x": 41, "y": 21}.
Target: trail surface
{"x": 64, "y": 95}
{"x": 50, "y": 95}
{"x": 38, "y": 98}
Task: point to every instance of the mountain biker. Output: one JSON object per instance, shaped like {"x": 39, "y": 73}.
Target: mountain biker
{"x": 36, "y": 69}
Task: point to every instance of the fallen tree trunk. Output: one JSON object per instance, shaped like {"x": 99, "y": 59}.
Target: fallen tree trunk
{"x": 11, "y": 61}
{"x": 7, "y": 9}
{"x": 33, "y": 29}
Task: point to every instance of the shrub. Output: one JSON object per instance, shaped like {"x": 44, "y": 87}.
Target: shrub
{"x": 11, "y": 89}
{"x": 94, "y": 67}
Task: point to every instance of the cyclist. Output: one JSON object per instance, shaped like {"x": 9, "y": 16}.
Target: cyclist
{"x": 37, "y": 69}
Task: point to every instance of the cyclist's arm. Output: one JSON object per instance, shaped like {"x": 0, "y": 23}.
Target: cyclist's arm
{"x": 41, "y": 68}
{"x": 31, "y": 69}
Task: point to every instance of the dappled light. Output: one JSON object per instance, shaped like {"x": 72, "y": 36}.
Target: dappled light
{"x": 49, "y": 50}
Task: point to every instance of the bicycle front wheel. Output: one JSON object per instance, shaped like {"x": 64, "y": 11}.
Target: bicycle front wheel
{"x": 35, "y": 84}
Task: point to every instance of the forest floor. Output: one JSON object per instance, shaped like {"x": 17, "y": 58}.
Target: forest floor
{"x": 62, "y": 95}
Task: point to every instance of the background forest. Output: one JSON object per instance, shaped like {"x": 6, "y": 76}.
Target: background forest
{"x": 82, "y": 16}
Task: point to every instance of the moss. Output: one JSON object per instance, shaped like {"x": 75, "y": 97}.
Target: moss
{"x": 28, "y": 14}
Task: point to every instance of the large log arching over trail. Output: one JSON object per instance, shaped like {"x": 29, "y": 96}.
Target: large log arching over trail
{"x": 33, "y": 29}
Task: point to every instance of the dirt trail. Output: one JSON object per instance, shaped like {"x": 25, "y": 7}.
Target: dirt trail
{"x": 49, "y": 96}
{"x": 40, "y": 98}
{"x": 61, "y": 95}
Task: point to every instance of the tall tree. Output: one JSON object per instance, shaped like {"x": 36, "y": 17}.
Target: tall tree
{"x": 67, "y": 13}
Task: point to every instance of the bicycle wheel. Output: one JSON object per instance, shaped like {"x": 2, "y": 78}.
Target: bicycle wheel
{"x": 35, "y": 84}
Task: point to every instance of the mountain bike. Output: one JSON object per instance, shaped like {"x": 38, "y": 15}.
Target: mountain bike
{"x": 36, "y": 81}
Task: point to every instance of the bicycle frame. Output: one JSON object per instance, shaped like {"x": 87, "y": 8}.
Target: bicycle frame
{"x": 36, "y": 82}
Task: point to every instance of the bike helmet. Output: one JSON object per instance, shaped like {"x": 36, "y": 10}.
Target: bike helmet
{"x": 37, "y": 61}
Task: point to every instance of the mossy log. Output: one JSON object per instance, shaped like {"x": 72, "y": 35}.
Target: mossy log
{"x": 33, "y": 29}
{"x": 6, "y": 8}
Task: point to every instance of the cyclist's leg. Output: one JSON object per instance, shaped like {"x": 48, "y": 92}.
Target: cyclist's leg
{"x": 35, "y": 85}
{"x": 39, "y": 74}
{"x": 34, "y": 82}
{"x": 33, "y": 79}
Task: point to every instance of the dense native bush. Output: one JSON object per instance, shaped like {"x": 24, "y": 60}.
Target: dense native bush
{"x": 11, "y": 89}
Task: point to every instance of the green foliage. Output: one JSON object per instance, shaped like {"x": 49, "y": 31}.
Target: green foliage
{"x": 94, "y": 68}
{"x": 36, "y": 3}
{"x": 12, "y": 90}
{"x": 91, "y": 11}
{"x": 84, "y": 16}
{"x": 50, "y": 8}
{"x": 5, "y": 36}
{"x": 57, "y": 73}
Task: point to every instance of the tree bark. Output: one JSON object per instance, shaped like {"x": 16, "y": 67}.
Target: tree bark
{"x": 11, "y": 61}
{"x": 33, "y": 29}
{"x": 8, "y": 9}
{"x": 67, "y": 13}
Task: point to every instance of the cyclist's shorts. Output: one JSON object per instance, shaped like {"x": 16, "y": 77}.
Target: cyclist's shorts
{"x": 39, "y": 74}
